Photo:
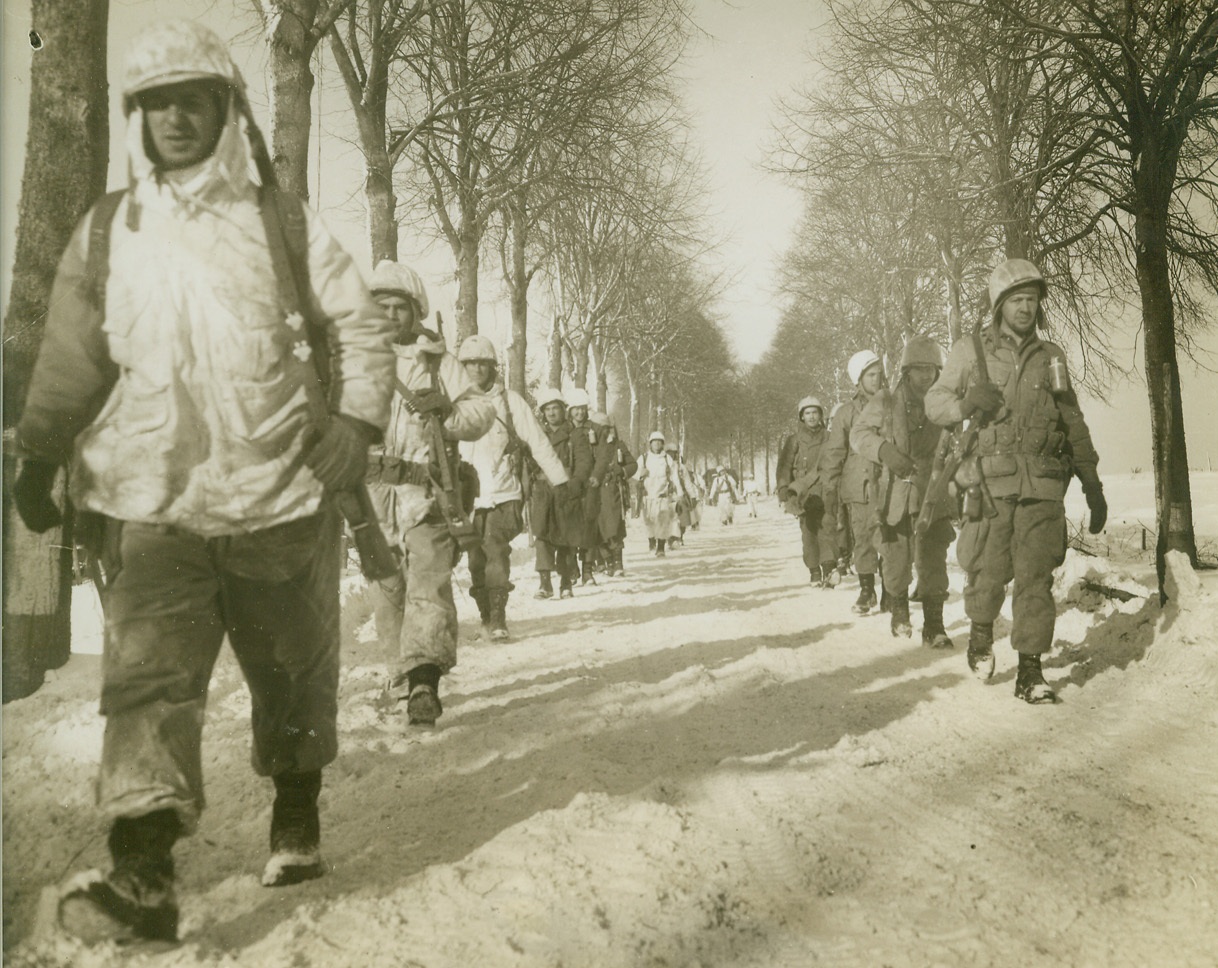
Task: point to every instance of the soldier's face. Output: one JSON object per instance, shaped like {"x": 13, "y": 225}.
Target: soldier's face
{"x": 578, "y": 415}
{"x": 482, "y": 372}
{"x": 811, "y": 416}
{"x": 403, "y": 312}
{"x": 183, "y": 122}
{"x": 871, "y": 379}
{"x": 553, "y": 413}
{"x": 1019, "y": 311}
{"x": 656, "y": 446}
{"x": 920, "y": 377}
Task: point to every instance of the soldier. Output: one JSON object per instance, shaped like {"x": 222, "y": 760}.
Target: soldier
{"x": 853, "y": 480}
{"x": 1032, "y": 438}
{"x": 661, "y": 488}
{"x": 751, "y": 492}
{"x": 619, "y": 466}
{"x": 416, "y": 618}
{"x": 175, "y": 381}
{"x": 578, "y": 405}
{"x": 894, "y": 431}
{"x": 556, "y": 514}
{"x": 499, "y": 457}
{"x": 684, "y": 507}
{"x": 724, "y": 494}
{"x": 802, "y": 493}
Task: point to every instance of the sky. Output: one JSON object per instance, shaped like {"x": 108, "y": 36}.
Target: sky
{"x": 746, "y": 55}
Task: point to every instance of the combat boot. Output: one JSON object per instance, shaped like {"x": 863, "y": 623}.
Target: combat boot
{"x": 981, "y": 649}
{"x": 295, "y": 830}
{"x": 423, "y": 705}
{"x": 829, "y": 576}
{"x": 900, "y": 625}
{"x": 885, "y": 599}
{"x": 933, "y": 632}
{"x": 545, "y": 588}
{"x": 586, "y": 576}
{"x": 866, "y": 600}
{"x": 616, "y": 564}
{"x": 566, "y": 586}
{"x": 651, "y": 544}
{"x": 1030, "y": 685}
{"x": 498, "y": 620}
{"x": 135, "y": 901}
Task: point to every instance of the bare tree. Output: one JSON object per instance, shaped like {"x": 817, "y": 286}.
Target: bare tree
{"x": 65, "y": 171}
{"x": 1151, "y": 68}
{"x": 293, "y": 29}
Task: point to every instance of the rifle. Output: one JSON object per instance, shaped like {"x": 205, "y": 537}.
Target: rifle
{"x": 446, "y": 462}
{"x": 953, "y": 451}
{"x": 376, "y": 559}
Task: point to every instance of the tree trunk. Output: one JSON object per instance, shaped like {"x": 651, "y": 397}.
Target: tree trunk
{"x": 602, "y": 376}
{"x": 382, "y": 207}
{"x": 65, "y": 171}
{"x": 554, "y": 368}
{"x": 468, "y": 259}
{"x": 518, "y": 284}
{"x": 579, "y": 363}
{"x": 1172, "y": 491}
{"x": 290, "y": 46}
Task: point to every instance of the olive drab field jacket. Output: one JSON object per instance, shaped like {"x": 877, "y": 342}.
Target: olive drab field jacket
{"x": 898, "y": 417}
{"x": 850, "y": 476}
{"x": 1030, "y": 448}
{"x": 799, "y": 465}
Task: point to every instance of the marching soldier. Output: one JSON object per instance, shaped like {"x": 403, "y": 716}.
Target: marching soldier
{"x": 853, "y": 479}
{"x": 893, "y": 430}
{"x": 619, "y": 466}
{"x": 556, "y": 512}
{"x": 802, "y": 493}
{"x": 1033, "y": 438}
{"x": 499, "y": 458}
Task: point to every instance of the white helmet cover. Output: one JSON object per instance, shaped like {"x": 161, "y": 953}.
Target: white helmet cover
{"x": 174, "y": 51}
{"x": 549, "y": 395}
{"x": 476, "y": 347}
{"x": 394, "y": 277}
{"x": 859, "y": 364}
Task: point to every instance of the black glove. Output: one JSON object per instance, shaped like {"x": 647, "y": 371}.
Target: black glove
{"x": 1093, "y": 491}
{"x": 900, "y": 464}
{"x": 983, "y": 398}
{"x": 32, "y": 495}
{"x": 428, "y": 402}
{"x": 339, "y": 459}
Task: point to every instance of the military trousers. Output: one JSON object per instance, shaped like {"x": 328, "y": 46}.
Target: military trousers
{"x": 490, "y": 564}
{"x": 1024, "y": 542}
{"x": 901, "y": 550}
{"x": 170, "y": 599}
{"x": 865, "y": 534}
{"x": 819, "y": 541}
{"x": 416, "y": 617}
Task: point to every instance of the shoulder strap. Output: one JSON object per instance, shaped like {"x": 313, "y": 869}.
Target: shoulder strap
{"x": 97, "y": 254}
{"x": 287, "y": 240}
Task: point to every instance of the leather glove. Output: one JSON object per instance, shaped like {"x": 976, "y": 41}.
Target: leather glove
{"x": 32, "y": 495}
{"x": 428, "y": 402}
{"x": 1093, "y": 491}
{"x": 784, "y": 495}
{"x": 900, "y": 464}
{"x": 983, "y": 398}
{"x": 339, "y": 459}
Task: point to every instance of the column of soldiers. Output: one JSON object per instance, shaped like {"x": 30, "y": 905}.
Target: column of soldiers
{"x": 208, "y": 452}
{"x": 894, "y": 483}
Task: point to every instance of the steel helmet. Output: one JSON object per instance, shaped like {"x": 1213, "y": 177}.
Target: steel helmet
{"x": 921, "y": 349}
{"x": 173, "y": 51}
{"x": 1011, "y": 275}
{"x": 807, "y": 402}
{"x": 656, "y": 435}
{"x": 598, "y": 418}
{"x": 549, "y": 395}
{"x": 578, "y": 397}
{"x": 860, "y": 363}
{"x": 476, "y": 347}
{"x": 391, "y": 276}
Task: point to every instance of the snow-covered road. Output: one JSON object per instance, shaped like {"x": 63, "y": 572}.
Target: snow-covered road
{"x": 707, "y": 763}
